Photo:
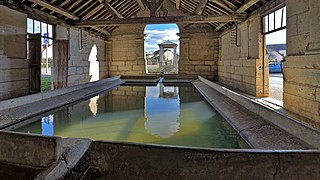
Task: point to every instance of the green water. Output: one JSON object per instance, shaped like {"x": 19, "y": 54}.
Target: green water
{"x": 172, "y": 115}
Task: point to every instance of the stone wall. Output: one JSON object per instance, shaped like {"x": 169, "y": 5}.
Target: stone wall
{"x": 126, "y": 51}
{"x": 241, "y": 64}
{"x": 14, "y": 66}
{"x": 78, "y": 64}
{"x": 199, "y": 51}
{"x": 302, "y": 66}
{"x": 198, "y": 48}
{"x": 111, "y": 160}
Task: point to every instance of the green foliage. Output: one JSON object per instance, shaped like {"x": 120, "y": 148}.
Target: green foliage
{"x": 45, "y": 83}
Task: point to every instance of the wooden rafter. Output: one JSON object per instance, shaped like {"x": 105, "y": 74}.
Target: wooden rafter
{"x": 103, "y": 31}
{"x": 159, "y": 4}
{"x": 200, "y": 7}
{"x": 111, "y": 10}
{"x": 224, "y": 5}
{"x": 242, "y": 9}
{"x": 178, "y": 3}
{"x": 162, "y": 20}
{"x": 141, "y": 5}
{"x": 146, "y": 3}
{"x": 246, "y": 5}
{"x": 57, "y": 9}
{"x": 153, "y": 8}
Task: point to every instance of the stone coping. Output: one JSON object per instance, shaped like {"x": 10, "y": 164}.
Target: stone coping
{"x": 258, "y": 133}
{"x": 26, "y": 107}
{"x": 10, "y": 103}
{"x": 111, "y": 160}
{"x": 292, "y": 126}
{"x": 78, "y": 156}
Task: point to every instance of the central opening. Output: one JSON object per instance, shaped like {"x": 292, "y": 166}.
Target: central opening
{"x": 162, "y": 48}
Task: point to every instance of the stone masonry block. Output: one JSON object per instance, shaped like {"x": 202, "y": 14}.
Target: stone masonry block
{"x": 295, "y": 7}
{"x": 124, "y": 68}
{"x": 318, "y": 94}
{"x": 202, "y": 68}
{"x": 298, "y": 44}
{"x": 303, "y": 91}
{"x": 138, "y": 68}
{"x": 303, "y": 76}
{"x": 301, "y": 103}
{"x": 117, "y": 63}
{"x": 303, "y": 62}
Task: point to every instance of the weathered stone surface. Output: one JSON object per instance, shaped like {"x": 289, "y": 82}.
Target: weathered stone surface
{"x": 14, "y": 68}
{"x": 113, "y": 160}
{"x": 274, "y": 116}
{"x": 18, "y": 148}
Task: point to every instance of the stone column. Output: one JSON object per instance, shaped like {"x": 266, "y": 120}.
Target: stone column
{"x": 161, "y": 52}
{"x": 174, "y": 60}
{"x": 314, "y": 15}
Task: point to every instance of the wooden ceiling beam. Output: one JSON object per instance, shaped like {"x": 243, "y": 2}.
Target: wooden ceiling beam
{"x": 159, "y": 5}
{"x": 230, "y": 4}
{"x": 101, "y": 30}
{"x": 163, "y": 20}
{"x": 111, "y": 10}
{"x": 224, "y": 5}
{"x": 246, "y": 5}
{"x": 153, "y": 8}
{"x": 141, "y": 5}
{"x": 178, "y": 3}
{"x": 200, "y": 7}
{"x": 242, "y": 9}
{"x": 57, "y": 9}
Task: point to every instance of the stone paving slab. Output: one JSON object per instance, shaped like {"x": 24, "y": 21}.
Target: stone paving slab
{"x": 258, "y": 133}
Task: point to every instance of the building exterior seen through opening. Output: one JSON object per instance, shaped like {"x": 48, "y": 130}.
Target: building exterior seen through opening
{"x": 143, "y": 79}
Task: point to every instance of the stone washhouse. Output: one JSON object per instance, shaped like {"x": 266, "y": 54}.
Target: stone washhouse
{"x": 221, "y": 51}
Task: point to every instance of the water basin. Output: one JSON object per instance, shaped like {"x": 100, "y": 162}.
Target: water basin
{"x": 161, "y": 114}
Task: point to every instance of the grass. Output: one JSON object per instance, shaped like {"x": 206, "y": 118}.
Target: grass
{"x": 45, "y": 84}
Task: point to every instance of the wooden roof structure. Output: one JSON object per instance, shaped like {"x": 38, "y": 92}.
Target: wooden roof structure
{"x": 103, "y": 16}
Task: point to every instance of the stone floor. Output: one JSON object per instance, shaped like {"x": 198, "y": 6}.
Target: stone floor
{"x": 276, "y": 88}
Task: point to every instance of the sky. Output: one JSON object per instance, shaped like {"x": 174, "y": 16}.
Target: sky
{"x": 278, "y": 37}
{"x": 158, "y": 33}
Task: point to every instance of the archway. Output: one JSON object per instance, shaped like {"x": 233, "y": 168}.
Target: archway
{"x": 162, "y": 48}
{"x": 94, "y": 76}
{"x": 94, "y": 64}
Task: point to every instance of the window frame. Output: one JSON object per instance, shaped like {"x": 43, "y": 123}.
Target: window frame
{"x": 266, "y": 27}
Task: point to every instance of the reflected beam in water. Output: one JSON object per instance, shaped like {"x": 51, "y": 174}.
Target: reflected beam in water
{"x": 162, "y": 110}
{"x": 47, "y": 126}
{"x": 94, "y": 105}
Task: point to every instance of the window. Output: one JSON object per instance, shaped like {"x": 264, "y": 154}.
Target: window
{"x": 274, "y": 21}
{"x": 36, "y": 27}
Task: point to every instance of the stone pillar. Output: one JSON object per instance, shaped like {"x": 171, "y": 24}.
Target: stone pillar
{"x": 174, "y": 60}
{"x": 314, "y": 14}
{"x": 161, "y": 53}
{"x": 108, "y": 56}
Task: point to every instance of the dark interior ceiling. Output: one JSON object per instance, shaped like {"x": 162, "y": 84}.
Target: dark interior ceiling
{"x": 72, "y": 11}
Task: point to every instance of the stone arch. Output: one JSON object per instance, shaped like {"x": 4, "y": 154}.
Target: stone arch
{"x": 94, "y": 64}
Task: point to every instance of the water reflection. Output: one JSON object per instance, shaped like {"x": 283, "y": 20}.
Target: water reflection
{"x": 93, "y": 104}
{"x": 162, "y": 110}
{"x": 47, "y": 126}
{"x": 154, "y": 114}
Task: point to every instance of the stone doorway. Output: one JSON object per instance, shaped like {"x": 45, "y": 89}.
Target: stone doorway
{"x": 162, "y": 48}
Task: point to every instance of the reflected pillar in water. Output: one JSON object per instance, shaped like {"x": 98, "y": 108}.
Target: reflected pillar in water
{"x": 94, "y": 105}
{"x": 162, "y": 111}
